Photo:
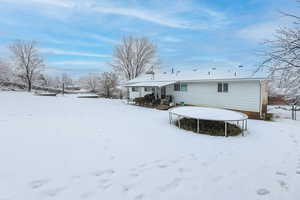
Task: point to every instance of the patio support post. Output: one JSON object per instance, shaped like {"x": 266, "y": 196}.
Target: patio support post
{"x": 179, "y": 121}
{"x": 243, "y": 127}
{"x": 198, "y": 126}
{"x": 225, "y": 129}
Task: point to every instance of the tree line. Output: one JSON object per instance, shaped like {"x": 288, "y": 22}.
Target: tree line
{"x": 132, "y": 57}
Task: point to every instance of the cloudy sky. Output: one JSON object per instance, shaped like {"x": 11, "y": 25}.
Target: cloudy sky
{"x": 78, "y": 37}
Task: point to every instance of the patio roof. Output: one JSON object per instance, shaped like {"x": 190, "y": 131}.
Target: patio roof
{"x": 150, "y": 84}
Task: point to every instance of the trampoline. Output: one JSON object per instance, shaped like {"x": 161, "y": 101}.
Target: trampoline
{"x": 209, "y": 114}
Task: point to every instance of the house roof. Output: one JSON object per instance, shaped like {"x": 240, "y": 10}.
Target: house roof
{"x": 150, "y": 84}
{"x": 196, "y": 76}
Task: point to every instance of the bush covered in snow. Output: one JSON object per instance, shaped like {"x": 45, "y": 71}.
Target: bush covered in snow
{"x": 214, "y": 128}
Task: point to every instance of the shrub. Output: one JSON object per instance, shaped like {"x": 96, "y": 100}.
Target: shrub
{"x": 139, "y": 100}
{"x": 269, "y": 117}
{"x": 214, "y": 128}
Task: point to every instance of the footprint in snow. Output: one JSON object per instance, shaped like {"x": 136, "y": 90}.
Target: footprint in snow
{"x": 38, "y": 183}
{"x": 142, "y": 165}
{"x": 104, "y": 172}
{"x": 283, "y": 184}
{"x": 183, "y": 170}
{"x": 162, "y": 166}
{"x": 105, "y": 186}
{"x": 172, "y": 185}
{"x": 134, "y": 175}
{"x": 298, "y": 172}
{"x": 262, "y": 191}
{"x": 139, "y": 197}
{"x": 54, "y": 192}
{"x": 86, "y": 195}
{"x": 281, "y": 173}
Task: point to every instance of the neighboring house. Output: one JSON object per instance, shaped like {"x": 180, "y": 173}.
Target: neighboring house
{"x": 230, "y": 90}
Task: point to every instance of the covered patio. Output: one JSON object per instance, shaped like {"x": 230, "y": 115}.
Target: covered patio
{"x": 158, "y": 88}
{"x": 151, "y": 94}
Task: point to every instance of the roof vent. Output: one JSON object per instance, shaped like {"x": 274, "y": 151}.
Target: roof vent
{"x": 235, "y": 74}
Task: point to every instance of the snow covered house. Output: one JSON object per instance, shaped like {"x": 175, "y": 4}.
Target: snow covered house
{"x": 230, "y": 90}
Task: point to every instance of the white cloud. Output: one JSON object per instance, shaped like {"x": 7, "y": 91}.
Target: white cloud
{"x": 102, "y": 38}
{"x": 171, "y": 39}
{"x": 205, "y": 17}
{"x": 258, "y": 32}
{"x": 76, "y": 62}
{"x": 73, "y": 53}
{"x": 264, "y": 30}
{"x": 145, "y": 15}
{"x": 57, "y": 3}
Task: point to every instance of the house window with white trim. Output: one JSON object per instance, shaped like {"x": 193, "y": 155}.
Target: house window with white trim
{"x": 183, "y": 87}
{"x": 225, "y": 87}
{"x": 147, "y": 89}
{"x": 176, "y": 87}
{"x": 222, "y": 87}
{"x": 134, "y": 89}
{"x": 180, "y": 87}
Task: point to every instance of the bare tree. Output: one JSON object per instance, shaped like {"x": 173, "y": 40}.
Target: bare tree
{"x": 66, "y": 80}
{"x": 5, "y": 72}
{"x": 108, "y": 81}
{"x": 282, "y": 58}
{"x": 90, "y": 82}
{"x": 27, "y": 60}
{"x": 133, "y": 57}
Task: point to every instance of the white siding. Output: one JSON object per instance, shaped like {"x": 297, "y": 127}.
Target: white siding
{"x": 241, "y": 95}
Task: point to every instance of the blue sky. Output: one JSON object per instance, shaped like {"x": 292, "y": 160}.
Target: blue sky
{"x": 78, "y": 37}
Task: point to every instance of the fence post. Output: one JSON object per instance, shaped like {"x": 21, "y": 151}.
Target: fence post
{"x": 63, "y": 88}
{"x": 293, "y": 112}
{"x": 225, "y": 129}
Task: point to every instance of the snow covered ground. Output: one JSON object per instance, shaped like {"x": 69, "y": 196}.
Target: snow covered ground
{"x": 71, "y": 148}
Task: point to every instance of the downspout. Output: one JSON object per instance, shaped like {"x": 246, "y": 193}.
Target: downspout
{"x": 260, "y": 100}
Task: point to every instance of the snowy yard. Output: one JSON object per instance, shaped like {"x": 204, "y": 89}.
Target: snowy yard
{"x": 71, "y": 148}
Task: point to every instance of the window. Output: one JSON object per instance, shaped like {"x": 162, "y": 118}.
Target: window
{"x": 225, "y": 87}
{"x": 183, "y": 87}
{"x": 222, "y": 87}
{"x": 180, "y": 87}
{"x": 176, "y": 87}
{"x": 134, "y": 89}
{"x": 147, "y": 89}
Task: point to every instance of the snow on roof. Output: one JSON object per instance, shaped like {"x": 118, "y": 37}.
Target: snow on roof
{"x": 198, "y": 76}
{"x": 151, "y": 84}
{"x": 215, "y": 114}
